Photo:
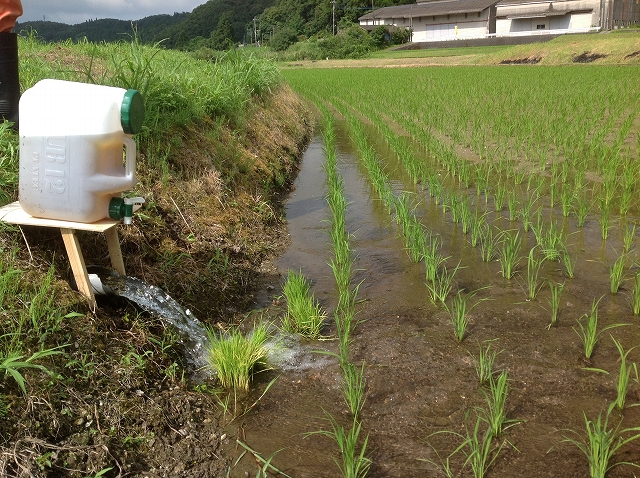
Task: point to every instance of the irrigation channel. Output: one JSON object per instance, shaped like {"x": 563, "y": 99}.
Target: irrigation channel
{"x": 421, "y": 380}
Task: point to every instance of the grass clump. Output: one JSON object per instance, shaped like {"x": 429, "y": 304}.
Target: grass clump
{"x": 235, "y": 357}
{"x": 304, "y": 315}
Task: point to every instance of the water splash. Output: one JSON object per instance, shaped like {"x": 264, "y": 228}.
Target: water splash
{"x": 192, "y": 334}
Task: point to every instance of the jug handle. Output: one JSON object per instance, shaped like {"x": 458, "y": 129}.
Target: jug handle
{"x": 130, "y": 156}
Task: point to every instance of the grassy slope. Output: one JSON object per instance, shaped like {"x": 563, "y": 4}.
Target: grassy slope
{"x": 619, "y": 47}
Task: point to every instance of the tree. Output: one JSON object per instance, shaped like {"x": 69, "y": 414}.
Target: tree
{"x": 222, "y": 36}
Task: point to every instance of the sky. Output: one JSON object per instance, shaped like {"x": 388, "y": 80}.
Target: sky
{"x": 78, "y": 11}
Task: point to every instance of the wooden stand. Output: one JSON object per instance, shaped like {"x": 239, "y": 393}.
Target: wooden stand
{"x": 14, "y": 214}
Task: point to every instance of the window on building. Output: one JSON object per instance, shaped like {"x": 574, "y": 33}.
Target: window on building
{"x": 540, "y": 26}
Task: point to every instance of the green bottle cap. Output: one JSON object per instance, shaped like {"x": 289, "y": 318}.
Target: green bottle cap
{"x": 116, "y": 208}
{"x": 132, "y": 112}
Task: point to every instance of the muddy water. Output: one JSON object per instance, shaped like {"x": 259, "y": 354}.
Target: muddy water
{"x": 420, "y": 380}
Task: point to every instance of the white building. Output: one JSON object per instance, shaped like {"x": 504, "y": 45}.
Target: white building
{"x": 437, "y": 20}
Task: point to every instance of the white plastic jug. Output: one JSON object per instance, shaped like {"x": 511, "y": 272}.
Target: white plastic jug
{"x": 72, "y": 140}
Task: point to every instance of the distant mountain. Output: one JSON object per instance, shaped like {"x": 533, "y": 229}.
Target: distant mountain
{"x": 150, "y": 29}
{"x": 177, "y": 30}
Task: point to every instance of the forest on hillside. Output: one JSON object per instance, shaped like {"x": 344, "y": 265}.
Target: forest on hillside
{"x": 219, "y": 24}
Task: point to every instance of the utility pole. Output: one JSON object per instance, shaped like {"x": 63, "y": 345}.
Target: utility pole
{"x": 255, "y": 31}
{"x": 333, "y": 13}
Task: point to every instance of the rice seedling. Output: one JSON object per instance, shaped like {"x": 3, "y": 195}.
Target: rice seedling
{"x": 628, "y": 236}
{"x": 432, "y": 257}
{"x": 458, "y": 310}
{"x": 567, "y": 261}
{"x": 478, "y": 224}
{"x": 512, "y": 205}
{"x": 304, "y": 315}
{"x": 601, "y": 442}
{"x": 616, "y": 273}
{"x": 526, "y": 210}
{"x": 495, "y": 415}
{"x": 499, "y": 197}
{"x": 235, "y": 357}
{"x": 605, "y": 221}
{"x": 354, "y": 462}
{"x": 484, "y": 362}
{"x": 566, "y": 200}
{"x": 582, "y": 206}
{"x": 533, "y": 271}
{"x": 509, "y": 254}
{"x": 554, "y": 301}
{"x": 489, "y": 244}
{"x": 441, "y": 287}
{"x": 624, "y": 375}
{"x": 479, "y": 449}
{"x": 353, "y": 388}
{"x": 550, "y": 239}
{"x": 588, "y": 332}
{"x": 635, "y": 294}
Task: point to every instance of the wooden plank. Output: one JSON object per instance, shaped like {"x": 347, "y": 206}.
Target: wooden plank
{"x": 115, "y": 253}
{"x": 14, "y": 214}
{"x": 77, "y": 264}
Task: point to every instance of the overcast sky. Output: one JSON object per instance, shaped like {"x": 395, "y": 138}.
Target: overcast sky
{"x": 78, "y": 11}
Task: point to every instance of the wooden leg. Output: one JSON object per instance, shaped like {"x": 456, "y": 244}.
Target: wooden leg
{"x": 77, "y": 264}
{"x": 115, "y": 253}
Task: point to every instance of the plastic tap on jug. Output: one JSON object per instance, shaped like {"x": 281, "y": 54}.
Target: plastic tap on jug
{"x": 76, "y": 148}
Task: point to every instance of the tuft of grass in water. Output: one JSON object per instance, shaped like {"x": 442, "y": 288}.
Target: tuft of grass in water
{"x": 567, "y": 261}
{"x": 600, "y": 443}
{"x": 304, "y": 315}
{"x": 488, "y": 244}
{"x": 588, "y": 331}
{"x": 628, "y": 236}
{"x": 550, "y": 240}
{"x": 235, "y": 357}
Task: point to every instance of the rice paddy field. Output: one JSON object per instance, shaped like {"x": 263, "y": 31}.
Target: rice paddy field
{"x": 492, "y": 214}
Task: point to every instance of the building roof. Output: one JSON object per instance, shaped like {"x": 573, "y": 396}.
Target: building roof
{"x": 430, "y": 8}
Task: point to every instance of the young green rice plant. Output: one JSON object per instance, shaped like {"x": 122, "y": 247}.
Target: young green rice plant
{"x": 489, "y": 244}
{"x": 466, "y": 217}
{"x": 485, "y": 361}
{"x": 554, "y": 301}
{"x": 353, "y": 388}
{"x": 440, "y": 289}
{"x": 582, "y": 206}
{"x": 495, "y": 415}
{"x": 304, "y": 315}
{"x": 478, "y": 223}
{"x": 616, "y": 273}
{"x": 458, "y": 310}
{"x": 479, "y": 449}
{"x": 604, "y": 220}
{"x": 567, "y": 261}
{"x": 509, "y": 254}
{"x": 354, "y": 462}
{"x": 512, "y": 205}
{"x": 635, "y": 294}
{"x": 533, "y": 272}
{"x": 588, "y": 331}
{"x": 566, "y": 200}
{"x": 526, "y": 210}
{"x": 601, "y": 442}
{"x": 628, "y": 236}
{"x": 235, "y": 357}
{"x": 432, "y": 257}
{"x": 499, "y": 197}
{"x": 627, "y": 370}
{"x": 550, "y": 239}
